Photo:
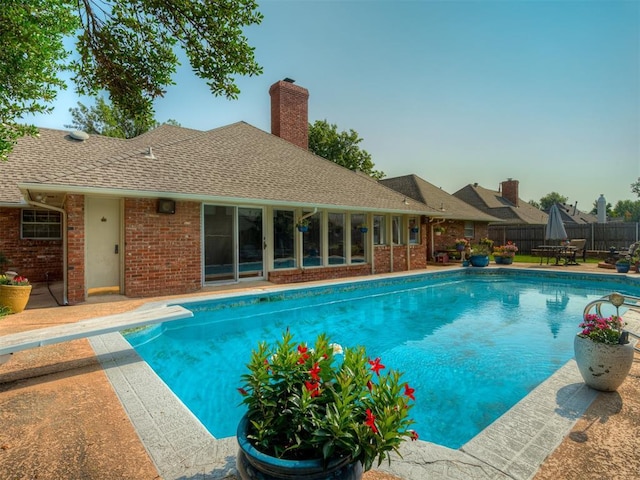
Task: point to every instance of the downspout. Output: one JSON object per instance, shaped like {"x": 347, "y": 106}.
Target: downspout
{"x": 65, "y": 300}
{"x": 433, "y": 243}
{"x": 300, "y": 252}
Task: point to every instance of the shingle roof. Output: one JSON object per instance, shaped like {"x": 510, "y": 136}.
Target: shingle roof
{"x": 571, "y": 214}
{"x": 237, "y": 162}
{"x": 437, "y": 199}
{"x": 492, "y": 203}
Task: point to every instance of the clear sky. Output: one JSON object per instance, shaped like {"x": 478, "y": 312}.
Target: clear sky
{"x": 457, "y": 92}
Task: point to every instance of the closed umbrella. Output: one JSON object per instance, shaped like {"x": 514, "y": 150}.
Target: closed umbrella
{"x": 555, "y": 228}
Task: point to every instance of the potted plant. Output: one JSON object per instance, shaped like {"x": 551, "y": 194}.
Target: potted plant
{"x": 479, "y": 256}
{"x": 504, "y": 253}
{"x": 329, "y": 411}
{"x": 603, "y": 353}
{"x": 14, "y": 292}
{"x": 302, "y": 224}
{"x": 623, "y": 265}
{"x": 461, "y": 244}
{"x": 439, "y": 230}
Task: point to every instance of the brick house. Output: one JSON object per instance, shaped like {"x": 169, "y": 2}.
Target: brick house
{"x": 175, "y": 209}
{"x": 504, "y": 204}
{"x": 458, "y": 219}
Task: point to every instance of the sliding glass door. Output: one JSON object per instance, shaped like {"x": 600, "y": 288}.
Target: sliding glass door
{"x": 233, "y": 243}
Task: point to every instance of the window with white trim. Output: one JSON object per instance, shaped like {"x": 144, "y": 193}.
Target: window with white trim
{"x": 379, "y": 227}
{"x": 469, "y": 230}
{"x": 41, "y": 225}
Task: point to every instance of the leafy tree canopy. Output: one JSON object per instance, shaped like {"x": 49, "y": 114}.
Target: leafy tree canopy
{"x": 341, "y": 148}
{"x": 551, "y": 198}
{"x": 635, "y": 187}
{"x": 533, "y": 203}
{"x": 125, "y": 47}
{"x": 103, "y": 119}
{"x": 629, "y": 210}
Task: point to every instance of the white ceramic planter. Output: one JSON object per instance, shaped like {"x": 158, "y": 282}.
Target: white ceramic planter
{"x": 603, "y": 367}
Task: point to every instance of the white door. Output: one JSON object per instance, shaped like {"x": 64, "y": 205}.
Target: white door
{"x": 102, "y": 236}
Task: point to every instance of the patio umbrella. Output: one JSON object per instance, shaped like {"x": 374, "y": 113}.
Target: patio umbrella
{"x": 555, "y": 228}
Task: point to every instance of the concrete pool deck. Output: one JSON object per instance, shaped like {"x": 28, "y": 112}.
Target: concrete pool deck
{"x": 60, "y": 418}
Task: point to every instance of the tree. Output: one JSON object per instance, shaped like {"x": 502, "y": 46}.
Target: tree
{"x": 533, "y": 203}
{"x": 125, "y": 47}
{"x": 341, "y": 148}
{"x": 104, "y": 119}
{"x": 628, "y": 210}
{"x": 550, "y": 199}
{"x": 635, "y": 187}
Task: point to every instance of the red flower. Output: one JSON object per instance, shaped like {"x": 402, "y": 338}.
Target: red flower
{"x": 313, "y": 388}
{"x": 369, "y": 385}
{"x": 303, "y": 354}
{"x": 243, "y": 392}
{"x": 408, "y": 391}
{"x": 414, "y": 435}
{"x": 315, "y": 371}
{"x": 376, "y": 366}
{"x": 371, "y": 421}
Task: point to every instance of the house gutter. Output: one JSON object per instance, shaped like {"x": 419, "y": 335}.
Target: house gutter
{"x": 65, "y": 301}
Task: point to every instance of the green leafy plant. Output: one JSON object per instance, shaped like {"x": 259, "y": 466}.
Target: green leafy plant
{"x": 305, "y": 402}
{"x": 302, "y": 222}
{"x": 602, "y": 330}
{"x": 439, "y": 229}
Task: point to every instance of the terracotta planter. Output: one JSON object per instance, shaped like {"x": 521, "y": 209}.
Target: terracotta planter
{"x": 15, "y": 297}
{"x": 253, "y": 464}
{"x": 603, "y": 367}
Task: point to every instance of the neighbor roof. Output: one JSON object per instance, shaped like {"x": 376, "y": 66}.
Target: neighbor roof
{"x": 493, "y": 203}
{"x": 437, "y": 199}
{"x": 237, "y": 163}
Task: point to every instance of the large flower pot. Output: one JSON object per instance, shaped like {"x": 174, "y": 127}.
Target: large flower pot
{"x": 603, "y": 367}
{"x": 479, "y": 260}
{"x": 15, "y": 297}
{"x": 623, "y": 267}
{"x": 252, "y": 464}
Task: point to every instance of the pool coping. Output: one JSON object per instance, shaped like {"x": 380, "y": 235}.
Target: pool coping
{"x": 512, "y": 447}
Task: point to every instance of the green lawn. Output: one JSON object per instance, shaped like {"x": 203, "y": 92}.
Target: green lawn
{"x": 533, "y": 259}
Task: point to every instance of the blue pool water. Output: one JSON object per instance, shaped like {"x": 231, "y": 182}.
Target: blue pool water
{"x": 471, "y": 345}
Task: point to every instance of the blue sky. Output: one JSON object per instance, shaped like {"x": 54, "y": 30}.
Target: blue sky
{"x": 457, "y": 92}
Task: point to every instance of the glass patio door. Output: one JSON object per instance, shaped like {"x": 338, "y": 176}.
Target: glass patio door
{"x": 250, "y": 243}
{"x": 233, "y": 243}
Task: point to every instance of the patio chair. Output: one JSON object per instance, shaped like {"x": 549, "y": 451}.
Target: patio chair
{"x": 577, "y": 250}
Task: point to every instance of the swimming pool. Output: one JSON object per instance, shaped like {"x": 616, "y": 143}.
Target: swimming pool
{"x": 471, "y": 345}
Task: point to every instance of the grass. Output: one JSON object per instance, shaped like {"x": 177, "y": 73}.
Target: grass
{"x": 535, "y": 259}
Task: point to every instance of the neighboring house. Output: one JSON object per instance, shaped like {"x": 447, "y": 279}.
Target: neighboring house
{"x": 459, "y": 219}
{"x": 504, "y": 204}
{"x": 175, "y": 209}
{"x": 571, "y": 215}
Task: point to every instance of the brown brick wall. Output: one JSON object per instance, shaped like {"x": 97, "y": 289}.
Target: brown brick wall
{"x": 75, "y": 249}
{"x": 453, "y": 230}
{"x": 162, "y": 251}
{"x": 30, "y": 258}
{"x": 289, "y": 113}
{"x": 319, "y": 273}
{"x": 510, "y": 191}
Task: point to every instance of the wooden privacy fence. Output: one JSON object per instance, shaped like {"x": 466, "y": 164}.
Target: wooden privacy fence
{"x": 599, "y": 236}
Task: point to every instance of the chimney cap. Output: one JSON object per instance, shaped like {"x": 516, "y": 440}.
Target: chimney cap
{"x": 289, "y": 80}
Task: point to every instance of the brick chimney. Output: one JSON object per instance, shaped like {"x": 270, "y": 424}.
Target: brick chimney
{"x": 510, "y": 191}
{"x": 289, "y": 112}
